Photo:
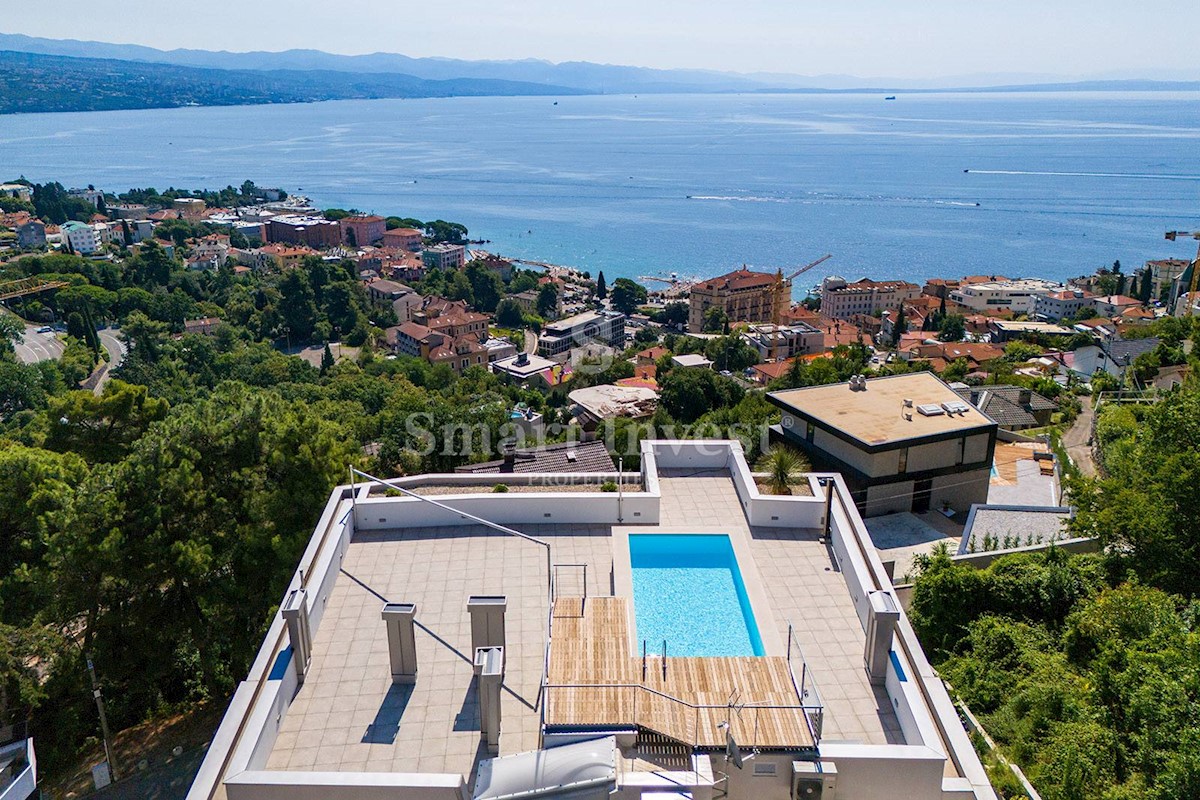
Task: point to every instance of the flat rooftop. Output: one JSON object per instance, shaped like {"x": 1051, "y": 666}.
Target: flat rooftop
{"x": 877, "y": 414}
{"x": 348, "y": 716}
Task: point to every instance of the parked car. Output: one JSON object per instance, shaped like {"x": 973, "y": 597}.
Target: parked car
{"x": 45, "y": 329}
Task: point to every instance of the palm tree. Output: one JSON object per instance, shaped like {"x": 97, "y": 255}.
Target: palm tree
{"x": 782, "y": 464}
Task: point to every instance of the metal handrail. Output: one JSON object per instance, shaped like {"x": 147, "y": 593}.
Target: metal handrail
{"x": 694, "y": 708}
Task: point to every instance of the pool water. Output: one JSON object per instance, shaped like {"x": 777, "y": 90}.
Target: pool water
{"x": 688, "y": 590}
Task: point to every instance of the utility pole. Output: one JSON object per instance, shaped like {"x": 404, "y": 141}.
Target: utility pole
{"x": 108, "y": 753}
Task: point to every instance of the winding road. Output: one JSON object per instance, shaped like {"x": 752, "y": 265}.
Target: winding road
{"x": 34, "y": 347}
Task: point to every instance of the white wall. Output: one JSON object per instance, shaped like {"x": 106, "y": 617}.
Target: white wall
{"x": 885, "y": 772}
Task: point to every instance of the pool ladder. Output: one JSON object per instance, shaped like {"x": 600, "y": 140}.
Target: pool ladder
{"x": 663, "y": 659}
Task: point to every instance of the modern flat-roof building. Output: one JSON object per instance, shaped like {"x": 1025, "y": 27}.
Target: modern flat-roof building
{"x": 481, "y": 645}
{"x": 902, "y": 443}
{"x": 1007, "y": 330}
{"x": 744, "y": 295}
{"x": 605, "y": 327}
{"x": 1017, "y": 295}
{"x": 81, "y": 238}
{"x": 444, "y": 256}
{"x": 315, "y": 232}
{"x": 1062, "y": 304}
{"x": 774, "y": 342}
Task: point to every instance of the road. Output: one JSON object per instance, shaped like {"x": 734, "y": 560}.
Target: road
{"x": 1076, "y": 439}
{"x": 34, "y": 347}
{"x": 110, "y": 338}
{"x": 531, "y": 341}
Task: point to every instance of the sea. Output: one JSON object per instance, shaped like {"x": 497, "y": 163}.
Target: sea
{"x": 924, "y": 185}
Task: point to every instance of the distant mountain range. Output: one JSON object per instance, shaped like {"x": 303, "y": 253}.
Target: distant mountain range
{"x": 67, "y": 75}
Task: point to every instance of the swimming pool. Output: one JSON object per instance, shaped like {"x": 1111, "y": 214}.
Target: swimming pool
{"x": 688, "y": 590}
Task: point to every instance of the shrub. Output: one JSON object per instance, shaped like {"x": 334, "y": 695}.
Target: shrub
{"x": 608, "y": 486}
{"x": 500, "y": 488}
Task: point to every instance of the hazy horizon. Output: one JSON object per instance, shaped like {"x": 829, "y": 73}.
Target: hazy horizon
{"x": 1017, "y": 41}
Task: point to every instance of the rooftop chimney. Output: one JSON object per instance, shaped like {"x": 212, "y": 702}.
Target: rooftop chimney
{"x": 400, "y": 619}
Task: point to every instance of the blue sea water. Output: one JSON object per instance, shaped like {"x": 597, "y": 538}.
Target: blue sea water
{"x": 1059, "y": 184}
{"x": 688, "y": 592}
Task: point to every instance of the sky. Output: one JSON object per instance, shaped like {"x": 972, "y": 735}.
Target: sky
{"x": 886, "y": 38}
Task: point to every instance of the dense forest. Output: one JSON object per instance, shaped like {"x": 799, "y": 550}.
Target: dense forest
{"x": 36, "y": 83}
{"x": 1086, "y": 668}
{"x": 152, "y": 527}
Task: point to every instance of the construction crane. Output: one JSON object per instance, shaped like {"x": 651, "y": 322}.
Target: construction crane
{"x": 1191, "y": 299}
{"x": 26, "y": 286}
{"x": 782, "y": 298}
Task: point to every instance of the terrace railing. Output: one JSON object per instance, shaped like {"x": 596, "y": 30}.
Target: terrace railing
{"x": 805, "y": 686}
{"x": 697, "y": 725}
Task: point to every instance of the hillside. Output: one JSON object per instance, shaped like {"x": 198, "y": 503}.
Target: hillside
{"x": 32, "y": 82}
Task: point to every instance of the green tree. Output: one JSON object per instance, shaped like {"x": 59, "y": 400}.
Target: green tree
{"x": 547, "y": 300}
{"x": 627, "y": 295}
{"x": 11, "y": 330}
{"x": 102, "y": 427}
{"x": 486, "y": 286}
{"x": 715, "y": 319}
{"x": 509, "y": 313}
{"x": 689, "y": 393}
{"x": 953, "y": 328}
{"x": 899, "y": 326}
{"x": 441, "y": 231}
{"x": 326, "y": 359}
{"x": 297, "y": 306}
{"x": 601, "y": 286}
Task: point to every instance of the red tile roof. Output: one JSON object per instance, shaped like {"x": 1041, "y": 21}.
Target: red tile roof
{"x": 739, "y": 279}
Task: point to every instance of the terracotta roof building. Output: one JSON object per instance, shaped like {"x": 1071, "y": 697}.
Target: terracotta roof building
{"x": 744, "y": 296}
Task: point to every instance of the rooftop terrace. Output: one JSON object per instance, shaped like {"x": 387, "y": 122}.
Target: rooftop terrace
{"x": 312, "y": 726}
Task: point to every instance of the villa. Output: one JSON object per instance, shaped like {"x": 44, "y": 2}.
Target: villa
{"x": 682, "y": 637}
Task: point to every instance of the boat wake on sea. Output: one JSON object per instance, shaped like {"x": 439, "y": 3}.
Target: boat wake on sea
{"x": 1138, "y": 175}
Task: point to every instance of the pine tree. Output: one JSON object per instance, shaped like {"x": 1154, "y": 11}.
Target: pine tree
{"x": 326, "y": 359}
{"x": 601, "y": 286}
{"x": 899, "y": 326}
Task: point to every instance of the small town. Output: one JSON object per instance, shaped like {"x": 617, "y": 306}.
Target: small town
{"x": 164, "y": 349}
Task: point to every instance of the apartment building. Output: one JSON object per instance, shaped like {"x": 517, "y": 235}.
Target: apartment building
{"x": 316, "y": 232}
{"x": 1017, "y": 295}
{"x": 403, "y": 238}
{"x": 81, "y": 238}
{"x": 419, "y": 341}
{"x": 1061, "y": 304}
{"x": 842, "y": 300}
{"x": 902, "y": 443}
{"x": 359, "y": 230}
{"x": 744, "y": 295}
{"x": 444, "y": 256}
{"x": 775, "y": 342}
{"x": 604, "y": 327}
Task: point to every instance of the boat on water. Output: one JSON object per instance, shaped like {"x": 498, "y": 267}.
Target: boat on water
{"x": 890, "y": 97}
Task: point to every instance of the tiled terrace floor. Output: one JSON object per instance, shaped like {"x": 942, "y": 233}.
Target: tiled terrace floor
{"x": 804, "y": 587}
{"x": 349, "y": 717}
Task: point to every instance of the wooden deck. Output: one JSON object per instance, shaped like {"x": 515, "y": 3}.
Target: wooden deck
{"x": 592, "y": 646}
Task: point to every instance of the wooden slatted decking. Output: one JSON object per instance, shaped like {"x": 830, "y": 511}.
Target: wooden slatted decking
{"x": 592, "y": 646}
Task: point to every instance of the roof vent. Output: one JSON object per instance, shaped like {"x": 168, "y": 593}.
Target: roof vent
{"x": 572, "y": 456}
{"x": 956, "y": 407}
{"x": 930, "y": 410}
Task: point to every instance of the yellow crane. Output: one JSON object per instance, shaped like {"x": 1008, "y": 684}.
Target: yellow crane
{"x": 782, "y": 299}
{"x": 1191, "y": 299}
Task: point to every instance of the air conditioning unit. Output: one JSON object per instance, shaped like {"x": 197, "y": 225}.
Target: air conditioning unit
{"x": 814, "y": 780}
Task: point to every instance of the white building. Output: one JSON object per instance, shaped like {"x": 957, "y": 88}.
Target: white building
{"x": 80, "y": 237}
{"x": 774, "y": 342}
{"x": 483, "y": 645}
{"x": 1059, "y": 305}
{"x": 603, "y": 327}
{"x": 17, "y": 191}
{"x": 444, "y": 256}
{"x": 1017, "y": 295}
